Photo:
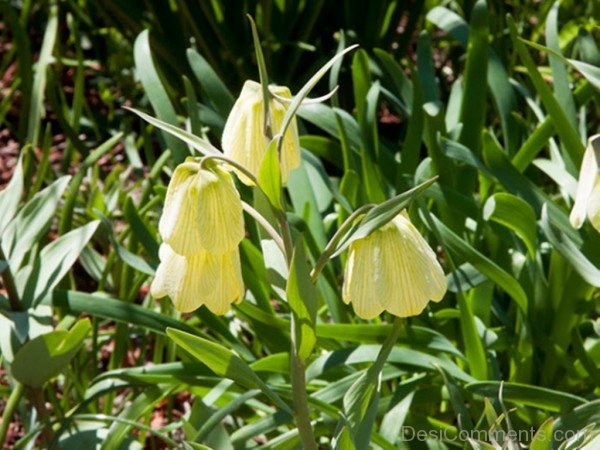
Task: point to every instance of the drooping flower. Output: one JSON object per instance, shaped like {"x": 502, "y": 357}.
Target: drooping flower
{"x": 244, "y": 140}
{"x": 392, "y": 269}
{"x": 201, "y": 279}
{"x": 587, "y": 200}
{"x": 202, "y": 212}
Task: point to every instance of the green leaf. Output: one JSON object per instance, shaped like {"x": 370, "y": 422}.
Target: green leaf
{"x": 157, "y": 94}
{"x": 515, "y": 214}
{"x": 105, "y": 307}
{"x": 381, "y": 215}
{"x": 213, "y": 89}
{"x": 302, "y": 298}
{"x": 139, "y": 407}
{"x": 10, "y": 196}
{"x": 47, "y": 355}
{"x": 224, "y": 363}
{"x": 566, "y": 247}
{"x": 36, "y": 108}
{"x": 310, "y": 84}
{"x": 543, "y": 437}
{"x": 568, "y": 134}
{"x": 32, "y": 222}
{"x": 538, "y": 397}
{"x": 55, "y": 260}
{"x": 474, "y": 101}
{"x": 201, "y": 145}
{"x": 269, "y": 175}
{"x": 486, "y": 266}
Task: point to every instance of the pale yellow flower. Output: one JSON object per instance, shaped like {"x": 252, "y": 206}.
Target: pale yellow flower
{"x": 202, "y": 212}
{"x": 392, "y": 269}
{"x": 587, "y": 200}
{"x": 244, "y": 140}
{"x": 202, "y": 279}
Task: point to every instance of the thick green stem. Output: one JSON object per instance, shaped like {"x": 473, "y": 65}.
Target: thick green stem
{"x": 300, "y": 397}
{"x": 9, "y": 410}
{"x": 297, "y": 364}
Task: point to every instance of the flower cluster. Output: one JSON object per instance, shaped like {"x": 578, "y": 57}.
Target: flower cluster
{"x": 201, "y": 226}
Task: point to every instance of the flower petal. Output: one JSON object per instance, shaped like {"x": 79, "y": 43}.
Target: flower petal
{"x": 219, "y": 215}
{"x": 419, "y": 275}
{"x": 593, "y": 210}
{"x": 229, "y": 285}
{"x": 179, "y": 277}
{"x": 363, "y": 285}
{"x": 589, "y": 173}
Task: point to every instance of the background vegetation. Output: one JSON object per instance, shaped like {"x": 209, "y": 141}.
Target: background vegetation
{"x": 496, "y": 99}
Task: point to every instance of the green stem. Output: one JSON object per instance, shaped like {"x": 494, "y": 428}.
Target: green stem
{"x": 286, "y": 235}
{"x": 9, "y": 284}
{"x": 9, "y": 410}
{"x": 300, "y": 397}
{"x": 297, "y": 364}
{"x": 265, "y": 224}
{"x": 232, "y": 163}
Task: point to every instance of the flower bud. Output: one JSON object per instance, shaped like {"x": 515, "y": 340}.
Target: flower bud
{"x": 244, "y": 139}
{"x": 587, "y": 199}
{"x": 202, "y": 212}
{"x": 392, "y": 269}
{"x": 201, "y": 279}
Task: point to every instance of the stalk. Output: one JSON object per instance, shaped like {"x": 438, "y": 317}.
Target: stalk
{"x": 9, "y": 410}
{"x": 297, "y": 364}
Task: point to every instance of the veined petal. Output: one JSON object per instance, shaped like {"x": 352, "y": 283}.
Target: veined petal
{"x": 392, "y": 269}
{"x": 419, "y": 275}
{"x": 593, "y": 210}
{"x": 589, "y": 173}
{"x": 220, "y": 219}
{"x": 363, "y": 285}
{"x": 243, "y": 136}
{"x": 178, "y": 223}
{"x": 183, "y": 278}
{"x": 229, "y": 285}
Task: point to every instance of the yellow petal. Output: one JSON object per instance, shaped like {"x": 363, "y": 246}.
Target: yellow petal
{"x": 203, "y": 279}
{"x": 180, "y": 278}
{"x": 419, "y": 276}
{"x": 363, "y": 285}
{"x": 589, "y": 173}
{"x": 178, "y": 223}
{"x": 229, "y": 285}
{"x": 392, "y": 269}
{"x": 202, "y": 212}
{"x": 593, "y": 210}
{"x": 220, "y": 219}
{"x": 243, "y": 137}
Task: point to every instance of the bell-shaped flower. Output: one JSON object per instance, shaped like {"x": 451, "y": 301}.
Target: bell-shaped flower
{"x": 202, "y": 212}
{"x": 244, "y": 139}
{"x": 587, "y": 199}
{"x": 392, "y": 269}
{"x": 201, "y": 279}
